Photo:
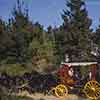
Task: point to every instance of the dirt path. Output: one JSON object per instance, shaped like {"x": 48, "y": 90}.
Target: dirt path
{"x": 38, "y": 96}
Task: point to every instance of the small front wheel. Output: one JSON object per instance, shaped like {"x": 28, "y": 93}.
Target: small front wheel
{"x": 61, "y": 91}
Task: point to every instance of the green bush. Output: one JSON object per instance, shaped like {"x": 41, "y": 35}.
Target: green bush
{"x": 15, "y": 69}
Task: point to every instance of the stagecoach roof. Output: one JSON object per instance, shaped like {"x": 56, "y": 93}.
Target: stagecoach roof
{"x": 79, "y": 63}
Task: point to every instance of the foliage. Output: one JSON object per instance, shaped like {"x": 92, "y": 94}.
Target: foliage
{"x": 74, "y": 35}
{"x": 15, "y": 69}
{"x": 42, "y": 54}
{"x": 23, "y": 42}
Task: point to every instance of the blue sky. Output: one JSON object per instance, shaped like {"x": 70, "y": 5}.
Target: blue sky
{"x": 47, "y": 12}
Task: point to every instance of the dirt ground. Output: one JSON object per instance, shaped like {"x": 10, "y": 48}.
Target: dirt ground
{"x": 38, "y": 96}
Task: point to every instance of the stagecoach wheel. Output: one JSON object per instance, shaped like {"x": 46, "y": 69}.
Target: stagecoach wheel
{"x": 61, "y": 91}
{"x": 92, "y": 90}
{"x": 52, "y": 91}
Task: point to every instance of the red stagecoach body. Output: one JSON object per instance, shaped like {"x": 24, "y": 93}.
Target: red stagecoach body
{"x": 66, "y": 72}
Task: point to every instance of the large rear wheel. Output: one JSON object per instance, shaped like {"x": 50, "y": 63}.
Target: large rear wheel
{"x": 92, "y": 90}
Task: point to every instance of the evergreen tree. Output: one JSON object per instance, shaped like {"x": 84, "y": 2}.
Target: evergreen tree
{"x": 96, "y": 42}
{"x": 96, "y": 50}
{"x": 75, "y": 32}
{"x": 21, "y": 33}
{"x": 5, "y": 41}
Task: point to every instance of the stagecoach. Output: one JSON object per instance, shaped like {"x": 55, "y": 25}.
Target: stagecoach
{"x": 69, "y": 80}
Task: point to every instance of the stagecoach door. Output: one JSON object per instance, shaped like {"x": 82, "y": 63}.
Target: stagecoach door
{"x": 93, "y": 71}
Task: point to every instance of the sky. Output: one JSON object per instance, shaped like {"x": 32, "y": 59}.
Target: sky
{"x": 48, "y": 12}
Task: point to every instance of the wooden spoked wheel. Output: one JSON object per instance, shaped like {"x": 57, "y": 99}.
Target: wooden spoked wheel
{"x": 92, "y": 90}
{"x": 52, "y": 91}
{"x": 61, "y": 91}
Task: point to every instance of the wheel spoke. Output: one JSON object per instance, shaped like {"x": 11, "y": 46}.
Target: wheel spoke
{"x": 92, "y": 90}
{"x": 61, "y": 91}
{"x": 98, "y": 86}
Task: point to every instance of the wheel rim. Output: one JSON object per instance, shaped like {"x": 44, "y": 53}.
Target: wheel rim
{"x": 61, "y": 91}
{"x": 52, "y": 91}
{"x": 92, "y": 90}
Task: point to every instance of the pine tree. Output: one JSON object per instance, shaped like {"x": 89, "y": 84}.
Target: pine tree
{"x": 96, "y": 42}
{"x": 75, "y": 31}
{"x": 5, "y": 41}
{"x": 21, "y": 33}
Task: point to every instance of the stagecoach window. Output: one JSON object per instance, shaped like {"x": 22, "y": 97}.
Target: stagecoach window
{"x": 85, "y": 71}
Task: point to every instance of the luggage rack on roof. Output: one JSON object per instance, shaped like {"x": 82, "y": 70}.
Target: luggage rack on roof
{"x": 79, "y": 63}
